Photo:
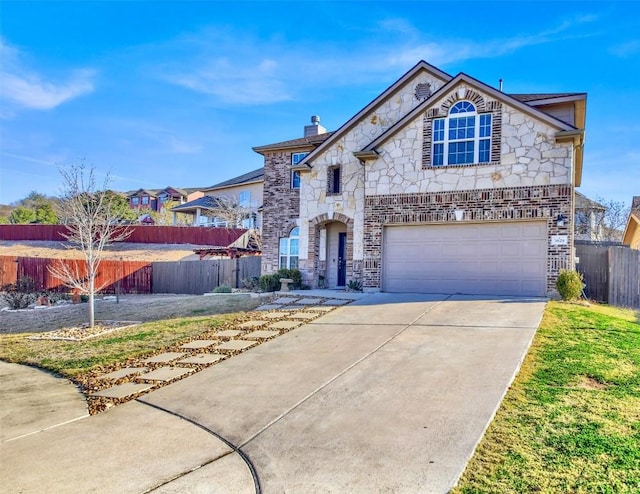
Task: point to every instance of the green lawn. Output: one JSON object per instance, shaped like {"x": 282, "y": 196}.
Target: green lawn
{"x": 571, "y": 421}
{"x": 75, "y": 358}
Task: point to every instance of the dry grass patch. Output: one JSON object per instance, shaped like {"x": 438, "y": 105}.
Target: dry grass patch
{"x": 72, "y": 358}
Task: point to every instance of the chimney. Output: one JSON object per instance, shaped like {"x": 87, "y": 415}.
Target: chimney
{"x": 635, "y": 204}
{"x": 315, "y": 128}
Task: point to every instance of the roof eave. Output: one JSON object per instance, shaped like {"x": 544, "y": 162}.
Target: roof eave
{"x": 353, "y": 121}
{"x": 248, "y": 182}
{"x": 554, "y": 100}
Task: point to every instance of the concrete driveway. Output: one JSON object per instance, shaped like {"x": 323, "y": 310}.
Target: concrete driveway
{"x": 389, "y": 394}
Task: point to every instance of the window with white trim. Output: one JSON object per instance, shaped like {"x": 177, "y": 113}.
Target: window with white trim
{"x": 295, "y": 179}
{"x": 289, "y": 250}
{"x": 297, "y": 158}
{"x": 145, "y": 199}
{"x": 462, "y": 138}
{"x": 135, "y": 201}
{"x": 244, "y": 198}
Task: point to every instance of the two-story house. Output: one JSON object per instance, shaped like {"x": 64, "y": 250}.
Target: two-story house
{"x": 441, "y": 184}
{"x": 220, "y": 203}
{"x": 156, "y": 199}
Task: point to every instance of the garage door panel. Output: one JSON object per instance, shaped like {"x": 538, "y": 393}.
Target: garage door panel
{"x": 492, "y": 259}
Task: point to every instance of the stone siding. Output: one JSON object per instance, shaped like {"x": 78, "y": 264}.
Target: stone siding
{"x": 316, "y": 201}
{"x": 482, "y": 205}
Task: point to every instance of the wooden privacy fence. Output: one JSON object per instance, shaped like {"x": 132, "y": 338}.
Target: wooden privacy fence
{"x": 611, "y": 273}
{"x": 122, "y": 276}
{"x": 220, "y": 237}
{"x": 197, "y": 277}
{"x": 188, "y": 277}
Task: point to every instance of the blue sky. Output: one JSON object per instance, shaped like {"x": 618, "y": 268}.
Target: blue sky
{"x": 176, "y": 93}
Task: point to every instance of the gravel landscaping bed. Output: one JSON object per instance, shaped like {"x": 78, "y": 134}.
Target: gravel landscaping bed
{"x": 130, "y": 308}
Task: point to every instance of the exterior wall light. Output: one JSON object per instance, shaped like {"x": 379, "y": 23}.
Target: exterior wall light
{"x": 561, "y": 220}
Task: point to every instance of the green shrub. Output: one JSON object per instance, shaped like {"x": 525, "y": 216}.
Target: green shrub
{"x": 569, "y": 284}
{"x": 222, "y": 289}
{"x": 270, "y": 282}
{"x": 21, "y": 293}
{"x": 355, "y": 285}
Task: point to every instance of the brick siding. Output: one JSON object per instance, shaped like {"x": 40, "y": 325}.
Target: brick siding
{"x": 503, "y": 205}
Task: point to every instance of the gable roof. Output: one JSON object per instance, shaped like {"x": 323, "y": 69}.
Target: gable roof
{"x": 149, "y": 192}
{"x": 353, "y": 121}
{"x": 583, "y": 202}
{"x": 565, "y": 130}
{"x": 204, "y": 202}
{"x": 182, "y": 192}
{"x": 249, "y": 177}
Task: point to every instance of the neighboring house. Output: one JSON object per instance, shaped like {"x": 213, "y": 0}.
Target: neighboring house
{"x": 441, "y": 184}
{"x": 155, "y": 199}
{"x": 588, "y": 218}
{"x": 631, "y": 236}
{"x": 243, "y": 192}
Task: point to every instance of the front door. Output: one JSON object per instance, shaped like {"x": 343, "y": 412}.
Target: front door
{"x": 342, "y": 259}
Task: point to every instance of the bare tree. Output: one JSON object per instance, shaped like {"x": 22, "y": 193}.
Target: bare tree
{"x": 229, "y": 211}
{"x": 92, "y": 224}
{"x": 614, "y": 219}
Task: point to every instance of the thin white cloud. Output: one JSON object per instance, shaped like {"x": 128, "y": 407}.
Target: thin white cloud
{"x": 236, "y": 82}
{"x": 28, "y": 89}
{"x": 235, "y": 68}
{"x": 165, "y": 140}
{"x": 627, "y": 49}
{"x": 452, "y": 51}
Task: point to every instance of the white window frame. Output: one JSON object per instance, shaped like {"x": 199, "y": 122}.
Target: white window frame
{"x": 447, "y": 139}
{"x": 135, "y": 201}
{"x": 145, "y": 200}
{"x": 295, "y": 173}
{"x": 244, "y": 198}
{"x": 297, "y": 158}
{"x": 289, "y": 250}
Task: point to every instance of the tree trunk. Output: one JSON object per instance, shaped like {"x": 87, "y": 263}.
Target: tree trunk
{"x": 92, "y": 319}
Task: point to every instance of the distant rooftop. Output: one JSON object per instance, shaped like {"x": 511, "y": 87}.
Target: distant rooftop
{"x": 252, "y": 176}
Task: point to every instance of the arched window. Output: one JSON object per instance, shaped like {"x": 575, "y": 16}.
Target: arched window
{"x": 289, "y": 250}
{"x": 462, "y": 138}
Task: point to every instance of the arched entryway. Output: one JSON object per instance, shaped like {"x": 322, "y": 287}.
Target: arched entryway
{"x": 331, "y": 250}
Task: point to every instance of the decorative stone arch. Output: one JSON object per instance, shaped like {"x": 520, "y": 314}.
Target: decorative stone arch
{"x": 286, "y": 227}
{"x": 469, "y": 95}
{"x": 482, "y": 106}
{"x": 315, "y": 267}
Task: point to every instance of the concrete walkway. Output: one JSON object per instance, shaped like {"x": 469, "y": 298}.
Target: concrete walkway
{"x": 388, "y": 394}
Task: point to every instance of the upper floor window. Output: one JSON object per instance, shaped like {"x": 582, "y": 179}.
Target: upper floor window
{"x": 295, "y": 179}
{"x": 134, "y": 201}
{"x": 462, "y": 138}
{"x": 334, "y": 180}
{"x": 297, "y": 158}
{"x": 244, "y": 198}
{"x": 145, "y": 199}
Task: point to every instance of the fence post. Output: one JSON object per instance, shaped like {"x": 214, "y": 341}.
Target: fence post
{"x": 237, "y": 272}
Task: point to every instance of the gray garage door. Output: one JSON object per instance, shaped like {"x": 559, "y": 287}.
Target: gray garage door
{"x": 485, "y": 259}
